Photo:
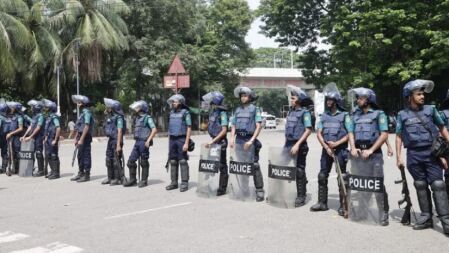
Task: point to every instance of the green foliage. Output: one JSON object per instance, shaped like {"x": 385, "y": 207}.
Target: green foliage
{"x": 272, "y": 101}
{"x": 266, "y": 57}
{"x": 375, "y": 43}
{"x": 115, "y": 40}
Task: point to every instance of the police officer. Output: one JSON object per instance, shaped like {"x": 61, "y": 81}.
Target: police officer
{"x": 5, "y": 123}
{"x": 179, "y": 130}
{"x": 114, "y": 128}
{"x": 52, "y": 133}
{"x": 368, "y": 130}
{"x": 246, "y": 126}
{"x": 417, "y": 126}
{"x": 218, "y": 128}
{"x": 333, "y": 137}
{"x": 36, "y": 131}
{"x": 84, "y": 128}
{"x": 27, "y": 119}
{"x": 17, "y": 130}
{"x": 445, "y": 116}
{"x": 297, "y": 129}
{"x": 144, "y": 132}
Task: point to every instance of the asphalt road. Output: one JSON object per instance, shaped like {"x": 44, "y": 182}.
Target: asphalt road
{"x": 38, "y": 215}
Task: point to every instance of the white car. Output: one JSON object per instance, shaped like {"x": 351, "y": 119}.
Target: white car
{"x": 270, "y": 122}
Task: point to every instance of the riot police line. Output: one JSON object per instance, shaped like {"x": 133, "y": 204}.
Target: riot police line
{"x": 421, "y": 129}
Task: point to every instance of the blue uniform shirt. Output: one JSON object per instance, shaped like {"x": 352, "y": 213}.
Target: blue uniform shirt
{"x": 381, "y": 121}
{"x": 347, "y": 118}
{"x": 437, "y": 120}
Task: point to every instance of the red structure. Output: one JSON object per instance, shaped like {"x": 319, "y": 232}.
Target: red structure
{"x": 176, "y": 77}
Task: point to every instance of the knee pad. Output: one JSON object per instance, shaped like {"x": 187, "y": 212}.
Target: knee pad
{"x": 438, "y": 185}
{"x": 145, "y": 163}
{"x": 322, "y": 178}
{"x": 420, "y": 185}
{"x": 131, "y": 164}
{"x": 109, "y": 162}
{"x": 183, "y": 162}
{"x": 173, "y": 163}
{"x": 54, "y": 157}
{"x": 300, "y": 173}
{"x": 39, "y": 155}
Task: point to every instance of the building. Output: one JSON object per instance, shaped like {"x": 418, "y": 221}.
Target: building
{"x": 275, "y": 78}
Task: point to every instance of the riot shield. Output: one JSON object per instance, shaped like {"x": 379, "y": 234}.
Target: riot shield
{"x": 366, "y": 190}
{"x": 241, "y": 181}
{"x": 281, "y": 178}
{"x": 26, "y": 158}
{"x": 208, "y": 176}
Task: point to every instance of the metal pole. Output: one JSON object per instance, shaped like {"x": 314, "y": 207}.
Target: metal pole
{"x": 199, "y": 108}
{"x": 274, "y": 60}
{"x": 176, "y": 84}
{"x": 77, "y": 77}
{"x": 57, "y": 91}
{"x": 291, "y": 58}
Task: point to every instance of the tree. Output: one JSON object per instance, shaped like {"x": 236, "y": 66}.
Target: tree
{"x": 208, "y": 37}
{"x": 375, "y": 43}
{"x": 270, "y": 57}
{"x": 14, "y": 36}
{"x": 95, "y": 25}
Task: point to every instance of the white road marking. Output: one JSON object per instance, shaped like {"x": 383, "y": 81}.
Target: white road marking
{"x": 148, "y": 210}
{"x": 9, "y": 236}
{"x": 55, "y": 247}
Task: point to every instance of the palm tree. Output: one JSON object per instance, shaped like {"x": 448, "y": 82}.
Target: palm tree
{"x": 96, "y": 24}
{"x": 46, "y": 48}
{"x": 14, "y": 36}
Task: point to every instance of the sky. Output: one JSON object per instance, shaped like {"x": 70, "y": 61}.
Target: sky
{"x": 254, "y": 38}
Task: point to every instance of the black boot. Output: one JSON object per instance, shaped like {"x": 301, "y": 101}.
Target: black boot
{"x": 132, "y": 166}
{"x": 301, "y": 187}
{"x": 110, "y": 171}
{"x": 222, "y": 184}
{"x": 46, "y": 164}
{"x": 85, "y": 177}
{"x": 441, "y": 203}
{"x": 16, "y": 165}
{"x": 446, "y": 178}
{"x": 322, "y": 194}
{"x": 184, "y": 168}
{"x": 258, "y": 183}
{"x": 40, "y": 164}
{"x": 117, "y": 178}
{"x": 78, "y": 176}
{"x": 145, "y": 171}
{"x": 4, "y": 165}
{"x": 425, "y": 204}
{"x": 173, "y": 176}
{"x": 54, "y": 165}
{"x": 384, "y": 208}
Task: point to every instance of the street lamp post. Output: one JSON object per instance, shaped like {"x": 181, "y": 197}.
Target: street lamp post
{"x": 58, "y": 68}
{"x": 77, "y": 64}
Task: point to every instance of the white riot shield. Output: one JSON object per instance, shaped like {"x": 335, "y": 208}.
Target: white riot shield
{"x": 209, "y": 166}
{"x": 366, "y": 190}
{"x": 281, "y": 178}
{"x": 26, "y": 158}
{"x": 241, "y": 181}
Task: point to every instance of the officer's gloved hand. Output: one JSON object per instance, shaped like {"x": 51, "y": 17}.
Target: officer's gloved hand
{"x": 355, "y": 152}
{"x": 247, "y": 145}
{"x": 400, "y": 163}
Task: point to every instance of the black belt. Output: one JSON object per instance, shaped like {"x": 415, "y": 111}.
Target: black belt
{"x": 367, "y": 146}
{"x": 243, "y": 134}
